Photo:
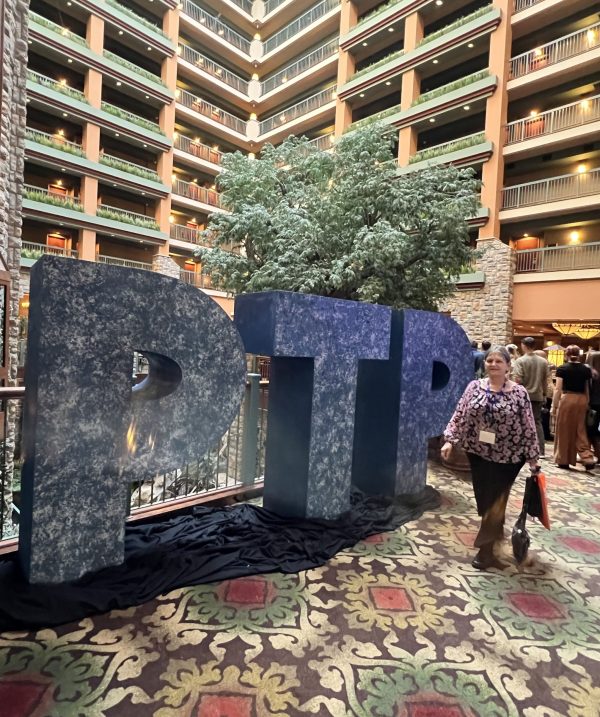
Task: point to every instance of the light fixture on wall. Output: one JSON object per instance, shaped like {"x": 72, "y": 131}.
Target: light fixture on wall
{"x": 574, "y": 237}
{"x": 584, "y": 331}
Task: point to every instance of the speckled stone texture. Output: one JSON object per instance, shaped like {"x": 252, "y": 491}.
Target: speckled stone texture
{"x": 316, "y": 343}
{"x": 403, "y": 402}
{"x": 85, "y": 434}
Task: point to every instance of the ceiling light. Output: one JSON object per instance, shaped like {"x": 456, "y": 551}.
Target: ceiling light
{"x": 145, "y": 145}
{"x": 432, "y": 119}
{"x": 69, "y": 60}
{"x": 390, "y": 29}
{"x": 149, "y": 48}
{"x": 116, "y": 134}
{"x": 582, "y": 168}
{"x": 574, "y": 237}
{"x": 435, "y": 62}
{"x": 362, "y": 94}
{"x": 525, "y": 234}
{"x": 365, "y": 44}
{"x": 439, "y": 2}
{"x": 470, "y": 45}
{"x": 388, "y": 83}
{"x": 65, "y": 114}
{"x": 120, "y": 32}
{"x": 118, "y": 84}
{"x": 467, "y": 107}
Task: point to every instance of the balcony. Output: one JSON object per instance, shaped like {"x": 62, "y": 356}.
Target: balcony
{"x": 46, "y": 196}
{"x": 128, "y": 263}
{"x": 579, "y": 115}
{"x": 215, "y": 114}
{"x": 116, "y": 214}
{"x": 323, "y": 143}
{"x": 37, "y": 19}
{"x": 463, "y": 152}
{"x": 559, "y": 258}
{"x": 378, "y": 19}
{"x": 325, "y": 99}
{"x": 198, "y": 154}
{"x": 543, "y": 63}
{"x": 520, "y": 5}
{"x": 31, "y": 252}
{"x": 137, "y": 19}
{"x": 209, "y": 198}
{"x": 125, "y": 165}
{"x": 53, "y": 140}
{"x": 197, "y": 279}
{"x": 205, "y": 65}
{"x": 327, "y": 51}
{"x": 216, "y": 27}
{"x": 56, "y": 85}
{"x": 290, "y": 32}
{"x": 132, "y": 117}
{"x": 545, "y": 197}
{"x": 136, "y": 69}
{"x": 179, "y": 232}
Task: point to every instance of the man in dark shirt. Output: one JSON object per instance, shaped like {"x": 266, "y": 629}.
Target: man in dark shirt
{"x": 478, "y": 357}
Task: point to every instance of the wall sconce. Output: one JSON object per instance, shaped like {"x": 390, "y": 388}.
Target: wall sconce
{"x": 574, "y": 237}
{"x": 581, "y": 168}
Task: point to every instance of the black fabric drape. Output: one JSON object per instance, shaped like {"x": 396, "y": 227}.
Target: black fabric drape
{"x": 209, "y": 545}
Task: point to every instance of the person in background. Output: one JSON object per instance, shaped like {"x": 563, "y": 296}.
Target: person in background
{"x": 494, "y": 424}
{"x": 477, "y": 360}
{"x": 531, "y": 371}
{"x": 548, "y": 435}
{"x": 569, "y": 408}
{"x": 514, "y": 355}
{"x": 593, "y": 361}
{"x": 486, "y": 346}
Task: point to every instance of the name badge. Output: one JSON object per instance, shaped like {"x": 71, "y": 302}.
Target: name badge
{"x": 487, "y": 437}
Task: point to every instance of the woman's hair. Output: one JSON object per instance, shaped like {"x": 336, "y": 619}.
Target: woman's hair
{"x": 501, "y": 350}
{"x": 573, "y": 352}
{"x": 593, "y": 360}
{"x": 512, "y": 349}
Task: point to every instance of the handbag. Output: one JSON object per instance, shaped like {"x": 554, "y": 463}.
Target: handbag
{"x": 535, "y": 504}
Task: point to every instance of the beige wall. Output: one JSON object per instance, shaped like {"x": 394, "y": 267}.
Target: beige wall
{"x": 557, "y": 301}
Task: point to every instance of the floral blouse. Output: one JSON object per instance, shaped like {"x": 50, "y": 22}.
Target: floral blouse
{"x": 507, "y": 413}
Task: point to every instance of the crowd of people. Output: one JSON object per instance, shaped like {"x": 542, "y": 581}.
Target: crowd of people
{"x": 516, "y": 401}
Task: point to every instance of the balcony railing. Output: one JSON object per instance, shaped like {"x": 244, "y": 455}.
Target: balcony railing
{"x": 556, "y": 189}
{"x": 553, "y": 52}
{"x": 451, "y": 86}
{"x": 198, "y": 194}
{"x": 323, "y": 143}
{"x": 123, "y": 215}
{"x": 216, "y": 26}
{"x": 311, "y": 103}
{"x": 329, "y": 49}
{"x": 197, "y": 279}
{"x": 137, "y": 18}
{"x": 377, "y": 117}
{"x": 131, "y": 117}
{"x": 447, "y": 147}
{"x": 568, "y": 116}
{"x": 520, "y": 5}
{"x": 57, "y": 85}
{"x": 271, "y": 5}
{"x": 129, "y": 263}
{"x": 246, "y": 5}
{"x": 187, "y": 99}
{"x": 380, "y": 63}
{"x": 197, "y": 149}
{"x": 53, "y": 140}
{"x": 559, "y": 258}
{"x": 459, "y": 22}
{"x": 188, "y": 234}
{"x": 32, "y": 250}
{"x": 125, "y": 165}
{"x": 212, "y": 68}
{"x": 64, "y": 31}
{"x": 47, "y": 196}
{"x": 299, "y": 24}
{"x": 133, "y": 67}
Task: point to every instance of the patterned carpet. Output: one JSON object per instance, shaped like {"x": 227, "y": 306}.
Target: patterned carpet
{"x": 401, "y": 625}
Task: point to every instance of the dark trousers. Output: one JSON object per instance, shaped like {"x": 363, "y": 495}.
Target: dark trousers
{"x": 537, "y": 417}
{"x": 491, "y": 484}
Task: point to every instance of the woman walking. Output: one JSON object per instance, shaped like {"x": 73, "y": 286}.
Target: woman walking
{"x": 569, "y": 407}
{"x": 494, "y": 424}
{"x": 593, "y": 361}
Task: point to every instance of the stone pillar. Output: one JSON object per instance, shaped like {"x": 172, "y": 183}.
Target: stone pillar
{"x": 346, "y": 66}
{"x": 13, "y": 66}
{"x": 411, "y": 88}
{"x": 165, "y": 265}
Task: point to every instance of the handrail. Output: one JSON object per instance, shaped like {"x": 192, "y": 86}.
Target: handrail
{"x": 554, "y": 189}
{"x": 129, "y": 263}
{"x": 559, "y": 258}
{"x": 187, "y": 99}
{"x": 459, "y": 22}
{"x": 198, "y": 194}
{"x": 138, "y": 18}
{"x": 207, "y": 65}
{"x": 53, "y": 140}
{"x": 58, "y": 85}
{"x": 197, "y": 279}
{"x": 130, "y": 117}
{"x": 127, "y": 166}
{"x": 197, "y": 149}
{"x": 55, "y": 27}
{"x": 574, "y": 114}
{"x": 329, "y": 49}
{"x": 520, "y": 5}
{"x": 216, "y": 26}
{"x": 300, "y": 108}
{"x": 42, "y": 194}
{"x": 300, "y": 23}
{"x": 324, "y": 142}
{"x": 124, "y": 215}
{"x": 453, "y": 145}
{"x": 188, "y": 234}
{"x": 246, "y": 5}
{"x": 271, "y": 5}
{"x": 451, "y": 86}
{"x": 556, "y": 51}
{"x": 132, "y": 66}
{"x": 30, "y": 246}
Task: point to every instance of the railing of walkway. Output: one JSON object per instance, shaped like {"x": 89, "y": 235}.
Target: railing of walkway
{"x": 559, "y": 258}
{"x": 233, "y": 465}
{"x": 568, "y": 116}
{"x": 554, "y": 189}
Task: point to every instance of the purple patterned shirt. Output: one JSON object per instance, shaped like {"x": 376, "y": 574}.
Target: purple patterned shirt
{"x": 508, "y": 414}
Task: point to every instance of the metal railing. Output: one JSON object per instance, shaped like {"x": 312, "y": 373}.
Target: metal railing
{"x": 556, "y": 51}
{"x": 124, "y": 215}
{"x": 559, "y": 258}
{"x": 188, "y": 234}
{"x": 271, "y": 5}
{"x": 197, "y": 149}
{"x": 326, "y": 51}
{"x": 128, "y": 263}
{"x": 187, "y": 99}
{"x": 137, "y": 18}
{"x": 59, "y": 29}
{"x": 133, "y": 67}
{"x": 300, "y": 108}
{"x": 574, "y": 114}
{"x": 198, "y": 279}
{"x": 56, "y": 85}
{"x": 199, "y": 194}
{"x": 53, "y": 140}
{"x": 447, "y": 147}
{"x": 323, "y": 143}
{"x": 212, "y": 68}
{"x": 216, "y": 26}
{"x": 32, "y": 250}
{"x": 131, "y": 117}
{"x": 555, "y": 189}
{"x": 300, "y": 23}
{"x": 42, "y": 194}
{"x": 520, "y": 5}
{"x": 451, "y": 86}
{"x": 126, "y": 166}
{"x": 246, "y": 5}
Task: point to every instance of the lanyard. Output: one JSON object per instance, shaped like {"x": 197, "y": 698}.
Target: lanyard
{"x": 492, "y": 399}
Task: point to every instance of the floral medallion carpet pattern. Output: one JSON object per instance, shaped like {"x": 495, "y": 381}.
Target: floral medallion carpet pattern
{"x": 400, "y": 625}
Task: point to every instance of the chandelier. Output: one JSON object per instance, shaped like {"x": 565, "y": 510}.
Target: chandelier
{"x": 584, "y": 331}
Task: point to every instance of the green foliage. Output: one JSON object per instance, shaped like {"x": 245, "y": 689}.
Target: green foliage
{"x": 130, "y": 117}
{"x": 117, "y": 216}
{"x": 372, "y": 119}
{"x": 124, "y": 166}
{"x": 457, "y": 23}
{"x": 341, "y": 224}
{"x": 55, "y": 200}
{"x": 138, "y": 18}
{"x": 457, "y": 84}
{"x": 448, "y": 147}
{"x": 49, "y": 141}
{"x": 31, "y": 253}
{"x": 379, "y": 63}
